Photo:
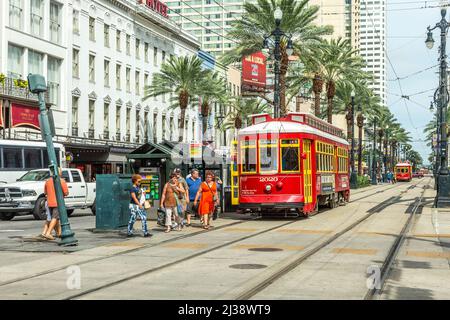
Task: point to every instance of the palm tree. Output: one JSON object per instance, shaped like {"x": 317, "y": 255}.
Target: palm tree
{"x": 241, "y": 109}
{"x": 337, "y": 62}
{"x": 258, "y": 21}
{"x": 214, "y": 91}
{"x": 180, "y": 76}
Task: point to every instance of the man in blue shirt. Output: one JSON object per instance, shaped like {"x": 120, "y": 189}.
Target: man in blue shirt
{"x": 193, "y": 182}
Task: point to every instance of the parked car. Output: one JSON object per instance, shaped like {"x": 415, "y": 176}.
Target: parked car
{"x": 26, "y": 195}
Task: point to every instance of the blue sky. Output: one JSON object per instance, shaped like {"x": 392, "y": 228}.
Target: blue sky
{"x": 406, "y": 32}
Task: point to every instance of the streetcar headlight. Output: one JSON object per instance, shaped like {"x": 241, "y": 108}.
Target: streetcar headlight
{"x": 268, "y": 188}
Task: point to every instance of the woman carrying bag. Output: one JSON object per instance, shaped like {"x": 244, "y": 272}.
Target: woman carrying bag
{"x": 170, "y": 201}
{"x": 209, "y": 199}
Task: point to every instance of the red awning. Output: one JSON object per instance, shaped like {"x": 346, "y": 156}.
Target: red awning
{"x": 24, "y": 116}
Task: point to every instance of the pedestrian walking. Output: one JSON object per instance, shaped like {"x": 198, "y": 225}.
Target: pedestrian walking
{"x": 185, "y": 199}
{"x": 193, "y": 181}
{"x": 52, "y": 204}
{"x": 209, "y": 198}
{"x": 170, "y": 200}
{"x": 137, "y": 200}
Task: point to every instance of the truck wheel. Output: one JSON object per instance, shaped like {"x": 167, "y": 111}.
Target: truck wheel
{"x": 93, "y": 208}
{"x": 69, "y": 212}
{"x": 39, "y": 210}
{"x": 7, "y": 216}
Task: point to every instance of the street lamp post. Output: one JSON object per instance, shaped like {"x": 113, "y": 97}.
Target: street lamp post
{"x": 443, "y": 185}
{"x": 37, "y": 85}
{"x": 385, "y": 157}
{"x": 360, "y": 121}
{"x": 374, "y": 161}
{"x": 278, "y": 35}
{"x": 353, "y": 176}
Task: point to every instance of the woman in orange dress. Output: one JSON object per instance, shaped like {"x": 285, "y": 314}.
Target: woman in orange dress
{"x": 209, "y": 198}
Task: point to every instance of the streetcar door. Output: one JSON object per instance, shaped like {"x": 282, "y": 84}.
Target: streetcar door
{"x": 307, "y": 172}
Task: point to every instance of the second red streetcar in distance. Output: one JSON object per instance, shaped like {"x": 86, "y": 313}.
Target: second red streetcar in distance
{"x": 292, "y": 164}
{"x": 403, "y": 171}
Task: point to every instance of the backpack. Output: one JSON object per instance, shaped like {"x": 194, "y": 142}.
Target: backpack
{"x": 161, "y": 217}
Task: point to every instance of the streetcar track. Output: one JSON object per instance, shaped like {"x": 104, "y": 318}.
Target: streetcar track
{"x": 246, "y": 295}
{"x": 156, "y": 244}
{"x": 163, "y": 266}
{"x": 395, "y": 248}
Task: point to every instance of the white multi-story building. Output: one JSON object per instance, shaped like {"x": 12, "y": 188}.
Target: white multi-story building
{"x": 33, "y": 40}
{"x": 372, "y": 43}
{"x": 97, "y": 56}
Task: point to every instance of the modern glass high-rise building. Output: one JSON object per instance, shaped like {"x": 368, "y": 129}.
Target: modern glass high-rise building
{"x": 208, "y": 20}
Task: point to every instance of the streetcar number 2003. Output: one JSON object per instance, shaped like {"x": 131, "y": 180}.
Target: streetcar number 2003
{"x": 268, "y": 179}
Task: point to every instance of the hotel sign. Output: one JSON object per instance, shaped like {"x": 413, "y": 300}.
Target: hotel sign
{"x": 157, "y": 6}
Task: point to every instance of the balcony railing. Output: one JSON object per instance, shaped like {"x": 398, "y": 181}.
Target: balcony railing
{"x": 91, "y": 134}
{"x": 118, "y": 136}
{"x": 127, "y": 137}
{"x": 16, "y": 88}
{"x": 106, "y": 134}
{"x": 75, "y": 131}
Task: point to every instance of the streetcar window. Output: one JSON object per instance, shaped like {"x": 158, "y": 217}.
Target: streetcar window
{"x": 33, "y": 158}
{"x": 13, "y": 157}
{"x": 248, "y": 156}
{"x": 290, "y": 152}
{"x": 324, "y": 157}
{"x": 268, "y": 155}
{"x": 342, "y": 160}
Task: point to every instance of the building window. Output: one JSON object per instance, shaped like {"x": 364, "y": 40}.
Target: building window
{"x": 146, "y": 80}
{"x": 118, "y": 69}
{"x": 138, "y": 121}
{"x": 128, "y": 44}
{"x": 106, "y": 118}
{"x": 15, "y": 61}
{"x": 163, "y": 126}
{"x": 171, "y": 128}
{"x": 128, "y": 80}
{"x": 128, "y": 123}
{"x": 138, "y": 84}
{"x": 34, "y": 62}
{"x": 76, "y": 21}
{"x": 91, "y": 68}
{"x": 106, "y": 76}
{"x": 118, "y": 40}
{"x": 75, "y": 63}
{"x": 138, "y": 43}
{"x": 118, "y": 120}
{"x": 15, "y": 14}
{"x": 36, "y": 17}
{"x": 146, "y": 52}
{"x": 55, "y": 24}
{"x": 155, "y": 118}
{"x": 91, "y": 114}
{"x": 155, "y": 56}
{"x": 106, "y": 34}
{"x": 91, "y": 28}
{"x": 163, "y": 58}
{"x": 74, "y": 113}
{"x": 53, "y": 79}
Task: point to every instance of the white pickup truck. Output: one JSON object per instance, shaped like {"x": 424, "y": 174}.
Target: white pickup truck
{"x": 26, "y": 195}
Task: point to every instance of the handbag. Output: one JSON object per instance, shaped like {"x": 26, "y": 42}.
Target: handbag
{"x": 215, "y": 198}
{"x": 147, "y": 204}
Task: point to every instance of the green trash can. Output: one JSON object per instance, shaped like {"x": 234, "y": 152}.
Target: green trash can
{"x": 112, "y": 200}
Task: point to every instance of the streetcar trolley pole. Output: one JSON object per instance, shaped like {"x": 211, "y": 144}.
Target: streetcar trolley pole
{"x": 37, "y": 85}
{"x": 278, "y": 35}
{"x": 443, "y": 177}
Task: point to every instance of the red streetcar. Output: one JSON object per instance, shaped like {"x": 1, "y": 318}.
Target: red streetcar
{"x": 292, "y": 164}
{"x": 403, "y": 171}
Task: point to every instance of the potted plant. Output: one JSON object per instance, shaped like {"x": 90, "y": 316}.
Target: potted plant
{"x": 21, "y": 83}
{"x": 2, "y": 79}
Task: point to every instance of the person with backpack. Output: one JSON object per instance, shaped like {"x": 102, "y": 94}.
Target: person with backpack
{"x": 171, "y": 201}
{"x": 209, "y": 199}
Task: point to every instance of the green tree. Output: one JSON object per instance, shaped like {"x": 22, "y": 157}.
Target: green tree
{"x": 258, "y": 21}
{"x": 182, "y": 77}
{"x": 241, "y": 109}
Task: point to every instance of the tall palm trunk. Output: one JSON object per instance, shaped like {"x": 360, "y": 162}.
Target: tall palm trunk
{"x": 183, "y": 99}
{"x": 283, "y": 71}
{"x": 331, "y": 91}
{"x": 317, "y": 89}
{"x": 205, "y": 113}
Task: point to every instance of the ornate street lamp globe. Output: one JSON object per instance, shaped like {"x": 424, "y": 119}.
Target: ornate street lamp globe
{"x": 430, "y": 41}
{"x": 289, "y": 48}
{"x": 278, "y": 14}
{"x": 352, "y": 93}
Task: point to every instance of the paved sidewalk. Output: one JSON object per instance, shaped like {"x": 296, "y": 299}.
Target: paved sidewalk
{"x": 422, "y": 269}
